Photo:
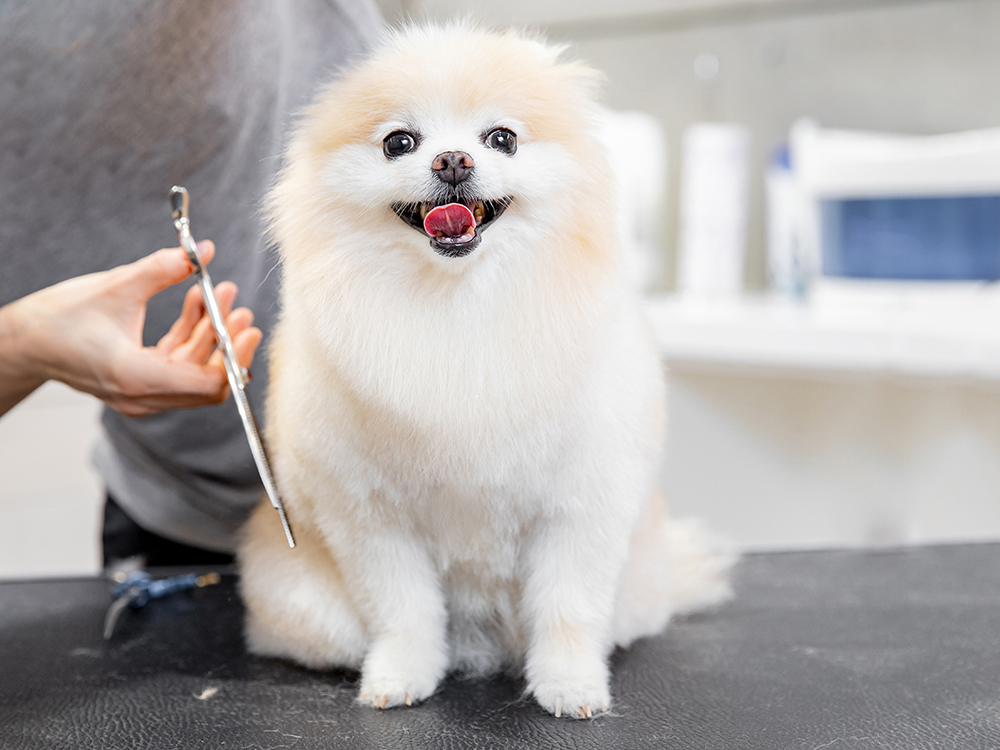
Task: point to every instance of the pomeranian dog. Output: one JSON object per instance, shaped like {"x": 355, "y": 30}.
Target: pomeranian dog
{"x": 466, "y": 407}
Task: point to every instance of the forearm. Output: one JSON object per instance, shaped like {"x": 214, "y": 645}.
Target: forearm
{"x": 19, "y": 376}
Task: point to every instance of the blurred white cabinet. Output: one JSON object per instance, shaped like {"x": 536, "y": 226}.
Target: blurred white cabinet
{"x": 841, "y": 424}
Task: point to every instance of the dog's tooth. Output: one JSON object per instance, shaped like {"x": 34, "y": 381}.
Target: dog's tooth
{"x": 424, "y": 210}
{"x": 478, "y": 211}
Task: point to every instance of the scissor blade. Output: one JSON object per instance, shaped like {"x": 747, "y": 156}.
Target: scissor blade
{"x": 118, "y": 606}
{"x": 234, "y": 371}
{"x": 260, "y": 458}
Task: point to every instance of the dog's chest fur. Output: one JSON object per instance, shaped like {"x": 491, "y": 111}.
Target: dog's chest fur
{"x": 450, "y": 416}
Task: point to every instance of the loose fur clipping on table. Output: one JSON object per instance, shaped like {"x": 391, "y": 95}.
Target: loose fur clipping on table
{"x": 466, "y": 407}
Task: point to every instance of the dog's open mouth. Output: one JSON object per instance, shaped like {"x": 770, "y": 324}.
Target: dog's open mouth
{"x": 455, "y": 228}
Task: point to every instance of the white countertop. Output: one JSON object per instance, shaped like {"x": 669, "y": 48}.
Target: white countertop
{"x": 867, "y": 329}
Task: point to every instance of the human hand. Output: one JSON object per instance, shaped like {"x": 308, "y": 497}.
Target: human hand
{"x": 87, "y": 333}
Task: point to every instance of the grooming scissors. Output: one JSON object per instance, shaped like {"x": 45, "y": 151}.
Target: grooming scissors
{"x": 136, "y": 588}
{"x": 235, "y": 373}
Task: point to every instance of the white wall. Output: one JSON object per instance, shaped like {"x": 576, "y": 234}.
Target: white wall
{"x": 50, "y": 498}
{"x": 780, "y": 462}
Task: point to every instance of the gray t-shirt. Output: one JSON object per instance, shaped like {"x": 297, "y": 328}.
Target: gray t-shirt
{"x": 104, "y": 104}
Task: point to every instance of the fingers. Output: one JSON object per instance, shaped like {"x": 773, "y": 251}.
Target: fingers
{"x": 192, "y": 337}
{"x": 202, "y": 341}
{"x": 245, "y": 339}
{"x": 157, "y": 385}
{"x": 180, "y": 331}
{"x": 185, "y": 369}
{"x": 160, "y": 384}
{"x": 164, "y": 268}
{"x": 246, "y": 343}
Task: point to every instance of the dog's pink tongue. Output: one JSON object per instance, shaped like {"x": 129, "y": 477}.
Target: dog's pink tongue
{"x": 451, "y": 220}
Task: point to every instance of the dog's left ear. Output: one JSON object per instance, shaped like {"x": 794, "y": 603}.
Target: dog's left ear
{"x": 578, "y": 76}
{"x": 583, "y": 79}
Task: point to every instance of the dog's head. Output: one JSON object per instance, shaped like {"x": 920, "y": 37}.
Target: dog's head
{"x": 450, "y": 142}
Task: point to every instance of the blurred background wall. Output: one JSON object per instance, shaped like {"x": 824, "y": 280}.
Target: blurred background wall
{"x": 907, "y": 66}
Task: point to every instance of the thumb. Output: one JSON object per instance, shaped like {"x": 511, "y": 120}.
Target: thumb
{"x": 161, "y": 269}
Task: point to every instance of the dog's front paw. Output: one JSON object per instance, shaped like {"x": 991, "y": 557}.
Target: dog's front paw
{"x": 397, "y": 676}
{"x": 578, "y": 693}
{"x": 575, "y": 701}
{"x": 386, "y": 690}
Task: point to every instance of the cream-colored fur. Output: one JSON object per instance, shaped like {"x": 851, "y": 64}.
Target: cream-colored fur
{"x": 466, "y": 445}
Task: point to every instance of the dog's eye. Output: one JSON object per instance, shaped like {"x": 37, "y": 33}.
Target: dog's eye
{"x": 502, "y": 140}
{"x": 398, "y": 143}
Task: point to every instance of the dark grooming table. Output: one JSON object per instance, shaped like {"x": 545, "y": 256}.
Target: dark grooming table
{"x": 819, "y": 651}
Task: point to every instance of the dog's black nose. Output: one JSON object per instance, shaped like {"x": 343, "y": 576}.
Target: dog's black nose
{"x": 453, "y": 167}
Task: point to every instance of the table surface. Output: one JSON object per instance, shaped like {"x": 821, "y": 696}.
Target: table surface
{"x": 818, "y": 650}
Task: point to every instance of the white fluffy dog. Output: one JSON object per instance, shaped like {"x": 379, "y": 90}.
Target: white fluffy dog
{"x": 466, "y": 407}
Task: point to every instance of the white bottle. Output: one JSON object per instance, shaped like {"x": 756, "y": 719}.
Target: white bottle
{"x": 713, "y": 212}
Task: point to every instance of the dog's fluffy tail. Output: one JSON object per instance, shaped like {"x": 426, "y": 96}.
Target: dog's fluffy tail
{"x": 675, "y": 567}
{"x": 699, "y": 563}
